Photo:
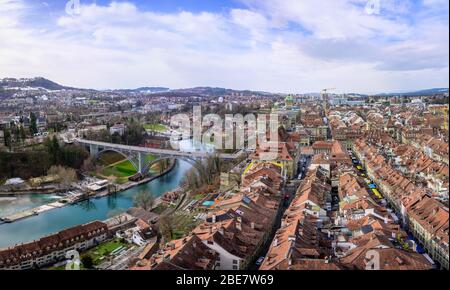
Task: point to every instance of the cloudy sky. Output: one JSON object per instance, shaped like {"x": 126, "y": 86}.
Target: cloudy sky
{"x": 273, "y": 45}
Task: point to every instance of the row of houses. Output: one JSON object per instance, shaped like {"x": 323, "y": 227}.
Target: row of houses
{"x": 312, "y": 237}
{"x": 425, "y": 216}
{"x": 433, "y": 147}
{"x": 299, "y": 244}
{"x": 369, "y": 236}
{"x": 233, "y": 234}
{"x": 422, "y": 169}
{"x": 51, "y": 249}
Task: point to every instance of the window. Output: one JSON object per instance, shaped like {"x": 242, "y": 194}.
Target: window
{"x": 235, "y": 262}
{"x": 235, "y": 267}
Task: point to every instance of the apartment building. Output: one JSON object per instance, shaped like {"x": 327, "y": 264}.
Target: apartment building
{"x": 51, "y": 249}
{"x": 188, "y": 253}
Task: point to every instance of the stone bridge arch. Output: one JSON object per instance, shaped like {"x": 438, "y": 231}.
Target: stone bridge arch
{"x": 138, "y": 161}
{"x": 133, "y": 160}
{"x": 160, "y": 158}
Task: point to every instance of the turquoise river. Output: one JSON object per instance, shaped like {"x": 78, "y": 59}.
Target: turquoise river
{"x": 55, "y": 220}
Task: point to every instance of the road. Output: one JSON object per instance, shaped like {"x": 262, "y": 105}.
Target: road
{"x": 290, "y": 189}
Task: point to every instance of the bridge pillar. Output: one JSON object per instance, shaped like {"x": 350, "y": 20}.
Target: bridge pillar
{"x": 141, "y": 162}
{"x": 93, "y": 149}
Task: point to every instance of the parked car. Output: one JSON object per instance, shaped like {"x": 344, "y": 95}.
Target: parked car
{"x": 259, "y": 261}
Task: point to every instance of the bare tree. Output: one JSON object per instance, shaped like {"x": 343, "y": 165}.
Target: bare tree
{"x": 191, "y": 180}
{"x": 166, "y": 227}
{"x": 145, "y": 200}
{"x": 88, "y": 165}
{"x": 163, "y": 165}
{"x": 66, "y": 175}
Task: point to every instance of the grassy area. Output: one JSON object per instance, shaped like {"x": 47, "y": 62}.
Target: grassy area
{"x": 100, "y": 252}
{"x": 122, "y": 169}
{"x": 109, "y": 157}
{"x": 198, "y": 196}
{"x": 156, "y": 127}
{"x": 149, "y": 158}
{"x": 183, "y": 224}
{"x": 159, "y": 209}
{"x": 119, "y": 169}
{"x": 125, "y": 168}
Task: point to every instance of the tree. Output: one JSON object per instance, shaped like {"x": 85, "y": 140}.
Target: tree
{"x": 145, "y": 200}
{"x": 88, "y": 261}
{"x": 134, "y": 134}
{"x": 7, "y": 138}
{"x": 23, "y": 134}
{"x": 191, "y": 180}
{"x": 116, "y": 138}
{"x": 166, "y": 227}
{"x": 163, "y": 165}
{"x": 73, "y": 156}
{"x": 16, "y": 132}
{"x": 88, "y": 164}
{"x": 66, "y": 175}
{"x": 33, "y": 124}
{"x": 53, "y": 148}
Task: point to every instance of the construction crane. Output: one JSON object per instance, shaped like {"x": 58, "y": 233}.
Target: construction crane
{"x": 325, "y": 99}
{"x": 326, "y": 90}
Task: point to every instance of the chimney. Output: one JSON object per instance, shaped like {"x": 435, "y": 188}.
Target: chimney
{"x": 214, "y": 218}
{"x": 275, "y": 242}
{"x": 252, "y": 224}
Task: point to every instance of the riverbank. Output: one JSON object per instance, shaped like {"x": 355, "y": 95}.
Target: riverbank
{"x": 80, "y": 196}
{"x": 32, "y": 212}
{"x": 19, "y": 192}
{"x": 53, "y": 221}
{"x": 132, "y": 184}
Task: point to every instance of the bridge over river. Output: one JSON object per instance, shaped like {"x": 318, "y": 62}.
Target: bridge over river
{"x": 136, "y": 154}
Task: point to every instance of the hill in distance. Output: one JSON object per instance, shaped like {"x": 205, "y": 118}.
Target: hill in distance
{"x": 40, "y": 83}
{"x": 31, "y": 83}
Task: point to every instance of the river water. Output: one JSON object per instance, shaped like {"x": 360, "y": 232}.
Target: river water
{"x": 14, "y": 204}
{"x": 52, "y": 221}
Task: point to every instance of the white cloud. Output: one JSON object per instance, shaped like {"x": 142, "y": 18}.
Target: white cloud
{"x": 10, "y": 12}
{"x": 276, "y": 45}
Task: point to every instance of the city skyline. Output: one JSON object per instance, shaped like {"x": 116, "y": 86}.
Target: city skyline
{"x": 276, "y": 46}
